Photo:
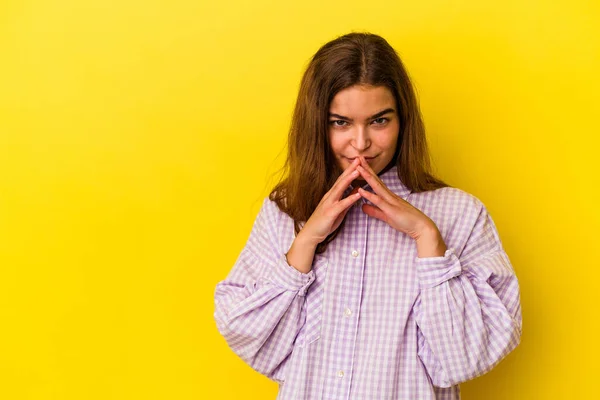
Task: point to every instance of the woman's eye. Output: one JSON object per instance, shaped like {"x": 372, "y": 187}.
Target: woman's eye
{"x": 341, "y": 123}
{"x": 380, "y": 121}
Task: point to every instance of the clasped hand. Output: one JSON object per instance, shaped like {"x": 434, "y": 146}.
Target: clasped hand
{"x": 388, "y": 207}
{"x": 391, "y": 208}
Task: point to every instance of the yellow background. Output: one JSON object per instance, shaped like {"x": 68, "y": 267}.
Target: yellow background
{"x": 137, "y": 139}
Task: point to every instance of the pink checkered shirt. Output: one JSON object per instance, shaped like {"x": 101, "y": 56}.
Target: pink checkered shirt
{"x": 372, "y": 320}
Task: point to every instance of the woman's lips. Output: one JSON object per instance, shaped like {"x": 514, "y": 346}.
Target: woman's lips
{"x": 369, "y": 159}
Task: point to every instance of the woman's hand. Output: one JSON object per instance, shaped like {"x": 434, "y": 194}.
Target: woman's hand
{"x": 400, "y": 214}
{"x": 332, "y": 209}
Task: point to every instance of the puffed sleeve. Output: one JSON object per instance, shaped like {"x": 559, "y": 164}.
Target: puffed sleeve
{"x": 258, "y": 307}
{"x": 468, "y": 312}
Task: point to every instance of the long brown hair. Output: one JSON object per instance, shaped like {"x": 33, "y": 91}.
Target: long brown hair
{"x": 310, "y": 168}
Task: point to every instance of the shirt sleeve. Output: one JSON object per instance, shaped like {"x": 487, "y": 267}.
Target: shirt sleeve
{"x": 468, "y": 312}
{"x": 259, "y": 306}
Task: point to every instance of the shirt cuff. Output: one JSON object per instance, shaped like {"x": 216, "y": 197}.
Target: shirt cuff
{"x": 433, "y": 271}
{"x": 288, "y": 277}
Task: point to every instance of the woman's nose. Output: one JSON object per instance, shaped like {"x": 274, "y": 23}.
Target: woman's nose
{"x": 361, "y": 140}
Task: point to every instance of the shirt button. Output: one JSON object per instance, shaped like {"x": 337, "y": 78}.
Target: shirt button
{"x": 354, "y": 253}
{"x": 340, "y": 373}
{"x": 347, "y": 312}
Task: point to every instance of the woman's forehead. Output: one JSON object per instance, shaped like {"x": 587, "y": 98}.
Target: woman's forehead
{"x": 362, "y": 101}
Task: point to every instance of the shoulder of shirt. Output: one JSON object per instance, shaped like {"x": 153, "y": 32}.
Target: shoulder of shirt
{"x": 271, "y": 210}
{"x": 269, "y": 205}
{"x": 459, "y": 199}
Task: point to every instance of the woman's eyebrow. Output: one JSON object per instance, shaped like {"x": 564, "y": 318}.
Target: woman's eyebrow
{"x": 379, "y": 114}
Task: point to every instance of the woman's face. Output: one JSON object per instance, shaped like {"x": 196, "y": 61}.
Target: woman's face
{"x": 363, "y": 121}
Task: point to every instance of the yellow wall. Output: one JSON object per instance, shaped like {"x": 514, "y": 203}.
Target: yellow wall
{"x": 135, "y": 142}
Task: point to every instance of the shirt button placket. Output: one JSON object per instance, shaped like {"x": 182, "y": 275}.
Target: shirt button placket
{"x": 347, "y": 312}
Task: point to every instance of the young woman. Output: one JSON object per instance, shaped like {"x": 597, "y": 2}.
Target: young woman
{"x": 364, "y": 276}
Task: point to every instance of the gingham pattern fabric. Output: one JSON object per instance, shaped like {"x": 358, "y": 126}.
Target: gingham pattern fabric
{"x": 372, "y": 320}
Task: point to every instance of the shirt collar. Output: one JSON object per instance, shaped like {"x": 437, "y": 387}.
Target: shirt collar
{"x": 391, "y": 180}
